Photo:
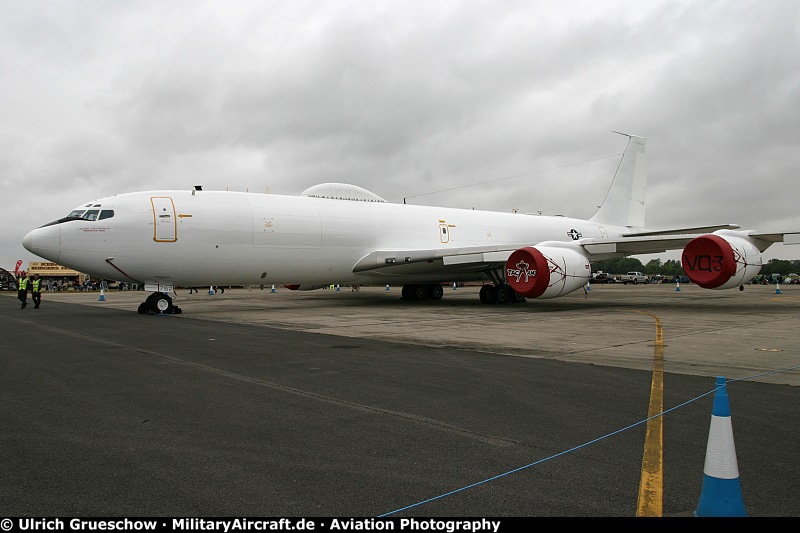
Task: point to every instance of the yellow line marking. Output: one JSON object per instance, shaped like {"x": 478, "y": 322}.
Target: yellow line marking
{"x": 651, "y": 485}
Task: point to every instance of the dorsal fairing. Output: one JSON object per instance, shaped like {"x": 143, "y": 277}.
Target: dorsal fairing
{"x": 342, "y": 191}
{"x": 624, "y": 204}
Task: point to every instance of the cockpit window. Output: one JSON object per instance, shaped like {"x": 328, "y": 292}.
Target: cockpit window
{"x": 84, "y": 214}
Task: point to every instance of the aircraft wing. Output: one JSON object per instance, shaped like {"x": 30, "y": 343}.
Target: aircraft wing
{"x": 449, "y": 256}
{"x": 661, "y": 241}
{"x": 650, "y": 244}
{"x": 483, "y": 257}
{"x": 486, "y": 257}
{"x": 784, "y": 237}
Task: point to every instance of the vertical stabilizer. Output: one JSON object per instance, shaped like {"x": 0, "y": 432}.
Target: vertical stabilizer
{"x": 624, "y": 204}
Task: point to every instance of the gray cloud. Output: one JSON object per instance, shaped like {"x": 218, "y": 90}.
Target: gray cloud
{"x": 405, "y": 99}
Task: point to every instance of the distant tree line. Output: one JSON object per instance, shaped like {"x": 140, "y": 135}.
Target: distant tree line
{"x": 673, "y": 268}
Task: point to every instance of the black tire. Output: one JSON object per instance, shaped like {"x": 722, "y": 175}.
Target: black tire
{"x": 503, "y": 294}
{"x": 484, "y": 294}
{"x": 435, "y": 292}
{"x": 160, "y": 303}
{"x": 419, "y": 292}
{"x": 414, "y": 292}
{"x": 491, "y": 294}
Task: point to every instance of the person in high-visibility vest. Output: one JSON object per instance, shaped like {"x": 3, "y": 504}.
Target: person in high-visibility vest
{"x": 36, "y": 291}
{"x": 22, "y": 289}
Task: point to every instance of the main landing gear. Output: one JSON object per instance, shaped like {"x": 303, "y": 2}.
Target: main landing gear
{"x": 158, "y": 303}
{"x": 422, "y": 292}
{"x": 500, "y": 294}
{"x": 490, "y": 294}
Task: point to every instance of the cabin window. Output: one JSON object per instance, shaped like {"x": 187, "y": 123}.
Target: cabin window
{"x": 106, "y": 213}
{"x": 91, "y": 214}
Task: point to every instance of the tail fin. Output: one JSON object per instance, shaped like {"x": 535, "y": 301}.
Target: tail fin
{"x": 624, "y": 203}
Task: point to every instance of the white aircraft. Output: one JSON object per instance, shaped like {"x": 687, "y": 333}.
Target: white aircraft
{"x": 342, "y": 234}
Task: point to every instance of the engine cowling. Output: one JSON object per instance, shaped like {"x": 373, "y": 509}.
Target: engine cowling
{"x": 546, "y": 271}
{"x": 721, "y": 260}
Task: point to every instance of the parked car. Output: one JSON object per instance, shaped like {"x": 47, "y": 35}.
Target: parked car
{"x": 635, "y": 278}
{"x": 603, "y": 277}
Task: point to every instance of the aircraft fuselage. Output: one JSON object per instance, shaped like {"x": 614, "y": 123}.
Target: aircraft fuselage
{"x": 197, "y": 238}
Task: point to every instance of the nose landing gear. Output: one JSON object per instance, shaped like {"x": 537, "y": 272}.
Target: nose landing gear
{"x": 158, "y": 303}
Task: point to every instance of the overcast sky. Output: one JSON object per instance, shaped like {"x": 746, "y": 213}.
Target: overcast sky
{"x": 495, "y": 105}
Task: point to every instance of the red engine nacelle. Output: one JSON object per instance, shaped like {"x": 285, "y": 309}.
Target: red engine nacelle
{"x": 544, "y": 271}
{"x": 721, "y": 260}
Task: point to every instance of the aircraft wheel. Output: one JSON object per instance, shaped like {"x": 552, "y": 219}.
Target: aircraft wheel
{"x": 491, "y": 294}
{"x": 414, "y": 292}
{"x": 419, "y": 292}
{"x": 516, "y": 297}
{"x": 484, "y": 294}
{"x": 503, "y": 295}
{"x": 143, "y": 308}
{"x": 435, "y": 292}
{"x": 160, "y": 303}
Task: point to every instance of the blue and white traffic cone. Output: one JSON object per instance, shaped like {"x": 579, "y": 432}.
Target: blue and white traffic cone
{"x": 677, "y": 286}
{"x": 722, "y": 493}
{"x": 211, "y": 290}
{"x": 387, "y": 287}
{"x": 273, "y": 288}
{"x": 102, "y": 296}
{"x": 778, "y": 288}
{"x": 454, "y": 285}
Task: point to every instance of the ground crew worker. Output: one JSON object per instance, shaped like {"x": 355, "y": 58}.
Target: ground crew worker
{"x": 22, "y": 290}
{"x": 36, "y": 291}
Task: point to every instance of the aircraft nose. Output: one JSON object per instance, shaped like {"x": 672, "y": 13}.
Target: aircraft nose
{"x": 27, "y": 241}
{"x": 44, "y": 242}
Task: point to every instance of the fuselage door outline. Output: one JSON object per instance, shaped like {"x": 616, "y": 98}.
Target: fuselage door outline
{"x": 444, "y": 231}
{"x": 165, "y": 225}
